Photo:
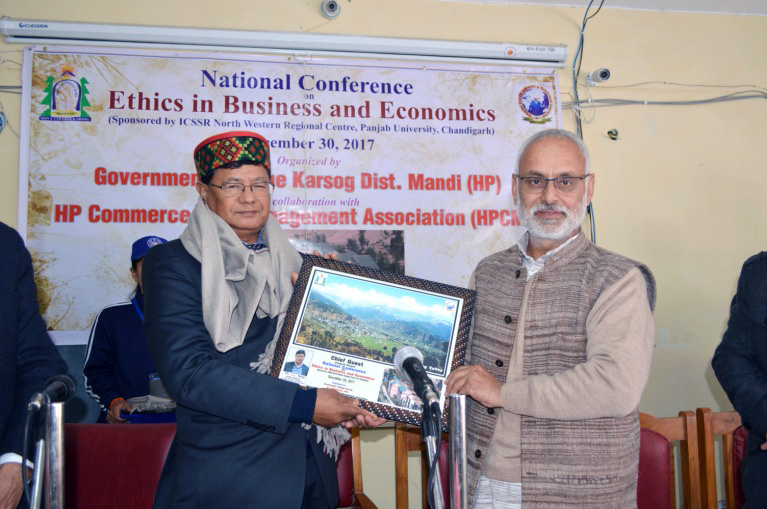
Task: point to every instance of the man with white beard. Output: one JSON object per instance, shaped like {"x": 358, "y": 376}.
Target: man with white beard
{"x": 560, "y": 350}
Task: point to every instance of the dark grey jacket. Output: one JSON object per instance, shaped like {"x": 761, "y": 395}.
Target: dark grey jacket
{"x": 740, "y": 364}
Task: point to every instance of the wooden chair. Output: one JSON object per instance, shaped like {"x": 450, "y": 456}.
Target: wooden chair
{"x": 407, "y": 438}
{"x": 656, "y": 488}
{"x": 657, "y": 480}
{"x": 734, "y": 439}
{"x": 349, "y": 468}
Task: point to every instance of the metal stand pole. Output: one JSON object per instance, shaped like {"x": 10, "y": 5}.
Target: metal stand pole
{"x": 431, "y": 432}
{"x": 49, "y": 458}
{"x": 458, "y": 494}
{"x": 54, "y": 466}
{"x": 431, "y": 448}
{"x": 36, "y": 492}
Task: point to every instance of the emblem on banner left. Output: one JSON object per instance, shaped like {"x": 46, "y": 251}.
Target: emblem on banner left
{"x": 66, "y": 97}
{"x": 536, "y": 104}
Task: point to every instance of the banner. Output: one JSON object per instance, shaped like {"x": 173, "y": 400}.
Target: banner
{"x": 402, "y": 166}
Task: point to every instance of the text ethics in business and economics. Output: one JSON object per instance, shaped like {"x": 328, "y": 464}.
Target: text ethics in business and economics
{"x": 234, "y": 104}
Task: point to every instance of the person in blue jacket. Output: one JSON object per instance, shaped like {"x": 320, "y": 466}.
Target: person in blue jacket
{"x": 117, "y": 362}
{"x": 740, "y": 365}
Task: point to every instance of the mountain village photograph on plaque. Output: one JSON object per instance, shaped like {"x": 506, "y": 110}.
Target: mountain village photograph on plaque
{"x": 352, "y": 320}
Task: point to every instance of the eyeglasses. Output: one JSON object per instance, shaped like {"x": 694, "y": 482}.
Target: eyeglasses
{"x": 561, "y": 184}
{"x": 236, "y": 189}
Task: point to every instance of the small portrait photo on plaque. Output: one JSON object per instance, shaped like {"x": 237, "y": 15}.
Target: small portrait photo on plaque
{"x": 297, "y": 368}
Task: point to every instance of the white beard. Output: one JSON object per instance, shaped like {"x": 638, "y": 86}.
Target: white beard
{"x": 552, "y": 229}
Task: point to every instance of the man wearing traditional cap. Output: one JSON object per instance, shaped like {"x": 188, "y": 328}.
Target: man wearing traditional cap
{"x": 215, "y": 303}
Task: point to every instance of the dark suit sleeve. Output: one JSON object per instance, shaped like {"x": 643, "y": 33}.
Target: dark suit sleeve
{"x": 183, "y": 352}
{"x": 37, "y": 359}
{"x": 739, "y": 361}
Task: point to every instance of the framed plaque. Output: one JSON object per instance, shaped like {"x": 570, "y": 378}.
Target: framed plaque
{"x": 346, "y": 322}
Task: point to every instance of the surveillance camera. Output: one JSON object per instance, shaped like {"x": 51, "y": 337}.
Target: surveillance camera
{"x": 330, "y": 8}
{"x": 598, "y": 76}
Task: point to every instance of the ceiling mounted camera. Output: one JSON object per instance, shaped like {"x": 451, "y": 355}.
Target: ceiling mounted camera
{"x": 330, "y": 8}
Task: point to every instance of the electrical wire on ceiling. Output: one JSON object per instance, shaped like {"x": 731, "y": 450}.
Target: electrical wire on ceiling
{"x": 577, "y": 104}
{"x": 577, "y": 60}
{"x": 677, "y": 84}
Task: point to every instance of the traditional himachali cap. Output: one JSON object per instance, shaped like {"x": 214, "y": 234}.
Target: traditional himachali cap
{"x": 229, "y": 147}
{"x": 142, "y": 246}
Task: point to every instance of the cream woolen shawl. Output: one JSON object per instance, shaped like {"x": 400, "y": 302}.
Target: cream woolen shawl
{"x": 238, "y": 283}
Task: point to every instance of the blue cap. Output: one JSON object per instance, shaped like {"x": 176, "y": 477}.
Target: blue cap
{"x": 142, "y": 246}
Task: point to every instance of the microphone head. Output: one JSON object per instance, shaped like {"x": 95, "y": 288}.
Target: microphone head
{"x": 405, "y": 353}
{"x": 68, "y": 391}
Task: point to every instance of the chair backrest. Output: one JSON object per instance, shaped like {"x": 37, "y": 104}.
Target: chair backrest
{"x": 119, "y": 466}
{"x": 657, "y": 484}
{"x": 655, "y": 470}
{"x": 734, "y": 439}
{"x": 739, "y": 449}
{"x": 407, "y": 438}
{"x": 656, "y": 487}
{"x": 115, "y": 466}
{"x": 349, "y": 468}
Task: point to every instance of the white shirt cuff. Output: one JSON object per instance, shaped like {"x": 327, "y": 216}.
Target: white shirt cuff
{"x": 12, "y": 457}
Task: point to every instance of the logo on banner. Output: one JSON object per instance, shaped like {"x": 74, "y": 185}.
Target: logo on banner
{"x": 66, "y": 97}
{"x": 536, "y": 104}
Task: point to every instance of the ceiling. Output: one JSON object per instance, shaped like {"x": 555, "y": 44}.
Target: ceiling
{"x": 747, "y": 7}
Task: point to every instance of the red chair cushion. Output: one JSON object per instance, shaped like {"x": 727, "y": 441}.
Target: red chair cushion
{"x": 115, "y": 466}
{"x": 654, "y": 485}
{"x": 345, "y": 470}
{"x": 739, "y": 448}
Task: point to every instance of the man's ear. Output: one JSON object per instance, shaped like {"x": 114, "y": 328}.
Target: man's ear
{"x": 202, "y": 189}
{"x": 514, "y": 189}
{"x": 590, "y": 187}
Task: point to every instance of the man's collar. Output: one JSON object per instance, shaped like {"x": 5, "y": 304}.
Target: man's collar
{"x": 260, "y": 244}
{"x": 524, "y": 243}
{"x": 561, "y": 255}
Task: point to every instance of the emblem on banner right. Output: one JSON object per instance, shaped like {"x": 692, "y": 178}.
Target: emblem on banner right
{"x": 535, "y": 102}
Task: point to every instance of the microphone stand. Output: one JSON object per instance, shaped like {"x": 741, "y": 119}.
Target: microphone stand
{"x": 49, "y": 459}
{"x": 458, "y": 495}
{"x": 431, "y": 433}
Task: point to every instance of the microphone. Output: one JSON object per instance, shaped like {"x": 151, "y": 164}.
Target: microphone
{"x": 58, "y": 389}
{"x": 409, "y": 361}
